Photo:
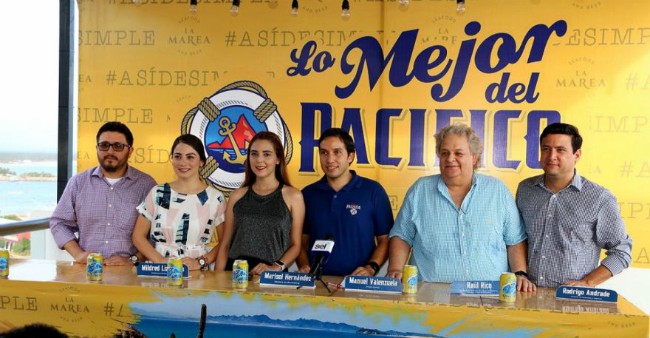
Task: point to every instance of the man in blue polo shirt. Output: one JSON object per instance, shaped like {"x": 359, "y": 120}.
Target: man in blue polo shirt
{"x": 352, "y": 210}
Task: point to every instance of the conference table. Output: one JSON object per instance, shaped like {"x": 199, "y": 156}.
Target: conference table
{"x": 127, "y": 305}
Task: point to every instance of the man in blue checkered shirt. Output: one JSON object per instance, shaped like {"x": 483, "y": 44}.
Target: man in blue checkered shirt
{"x": 460, "y": 225}
{"x": 570, "y": 219}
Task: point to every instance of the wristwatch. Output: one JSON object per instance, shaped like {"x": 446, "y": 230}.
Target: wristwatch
{"x": 134, "y": 259}
{"x": 280, "y": 264}
{"x": 374, "y": 266}
{"x": 202, "y": 262}
{"x": 521, "y": 273}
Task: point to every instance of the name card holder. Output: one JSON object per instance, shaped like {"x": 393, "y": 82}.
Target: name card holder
{"x": 149, "y": 269}
{"x": 475, "y": 288}
{"x": 287, "y": 279}
{"x": 372, "y": 284}
{"x": 586, "y": 294}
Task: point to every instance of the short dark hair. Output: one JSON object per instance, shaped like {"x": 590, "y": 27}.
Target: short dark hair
{"x": 34, "y": 330}
{"x": 118, "y": 127}
{"x": 342, "y": 135}
{"x": 193, "y": 142}
{"x": 563, "y": 129}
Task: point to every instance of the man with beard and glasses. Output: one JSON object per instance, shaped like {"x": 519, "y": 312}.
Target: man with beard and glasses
{"x": 97, "y": 210}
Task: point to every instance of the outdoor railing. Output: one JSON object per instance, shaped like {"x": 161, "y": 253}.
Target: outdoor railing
{"x": 24, "y": 226}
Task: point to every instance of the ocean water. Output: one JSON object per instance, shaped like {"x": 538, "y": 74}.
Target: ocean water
{"x": 156, "y": 328}
{"x": 22, "y": 167}
{"x": 152, "y": 325}
{"x": 24, "y": 197}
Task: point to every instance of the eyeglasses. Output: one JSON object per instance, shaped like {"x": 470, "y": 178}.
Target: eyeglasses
{"x": 104, "y": 146}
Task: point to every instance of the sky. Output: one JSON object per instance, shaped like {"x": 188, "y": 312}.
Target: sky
{"x": 29, "y": 66}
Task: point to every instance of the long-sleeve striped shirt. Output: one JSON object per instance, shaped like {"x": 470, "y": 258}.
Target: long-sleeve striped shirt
{"x": 103, "y": 214}
{"x": 567, "y": 230}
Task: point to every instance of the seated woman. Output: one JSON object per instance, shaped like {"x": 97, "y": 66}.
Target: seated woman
{"x": 264, "y": 217}
{"x": 182, "y": 218}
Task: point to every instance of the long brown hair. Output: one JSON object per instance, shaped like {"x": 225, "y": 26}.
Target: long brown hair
{"x": 280, "y": 169}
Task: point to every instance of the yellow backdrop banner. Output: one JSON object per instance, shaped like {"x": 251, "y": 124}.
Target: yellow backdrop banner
{"x": 392, "y": 74}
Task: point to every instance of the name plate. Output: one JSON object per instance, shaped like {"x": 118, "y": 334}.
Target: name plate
{"x": 585, "y": 293}
{"x": 148, "y": 269}
{"x": 475, "y": 288}
{"x": 287, "y": 279}
{"x": 372, "y": 284}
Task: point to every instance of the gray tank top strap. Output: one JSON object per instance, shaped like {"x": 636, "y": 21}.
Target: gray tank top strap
{"x": 262, "y": 226}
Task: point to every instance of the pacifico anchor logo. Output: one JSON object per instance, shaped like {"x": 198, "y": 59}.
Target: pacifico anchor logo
{"x": 354, "y": 208}
{"x": 227, "y": 122}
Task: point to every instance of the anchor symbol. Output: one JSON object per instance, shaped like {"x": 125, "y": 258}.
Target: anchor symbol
{"x": 227, "y": 129}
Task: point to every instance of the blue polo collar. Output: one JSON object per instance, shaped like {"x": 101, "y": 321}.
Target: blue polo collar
{"x": 355, "y": 182}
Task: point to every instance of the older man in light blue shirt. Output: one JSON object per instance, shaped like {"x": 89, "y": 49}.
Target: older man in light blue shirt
{"x": 462, "y": 226}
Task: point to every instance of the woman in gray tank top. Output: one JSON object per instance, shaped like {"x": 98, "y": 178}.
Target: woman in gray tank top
{"x": 264, "y": 217}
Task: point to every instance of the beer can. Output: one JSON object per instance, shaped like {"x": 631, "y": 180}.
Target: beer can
{"x": 240, "y": 274}
{"x": 410, "y": 279}
{"x": 94, "y": 267}
{"x": 508, "y": 287}
{"x": 4, "y": 263}
{"x": 175, "y": 271}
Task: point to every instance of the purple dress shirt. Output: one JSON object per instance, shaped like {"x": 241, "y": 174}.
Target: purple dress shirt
{"x": 102, "y": 214}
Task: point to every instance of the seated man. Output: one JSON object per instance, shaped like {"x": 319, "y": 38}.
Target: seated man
{"x": 352, "y": 210}
{"x": 462, "y": 226}
{"x": 99, "y": 203}
{"x": 570, "y": 219}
